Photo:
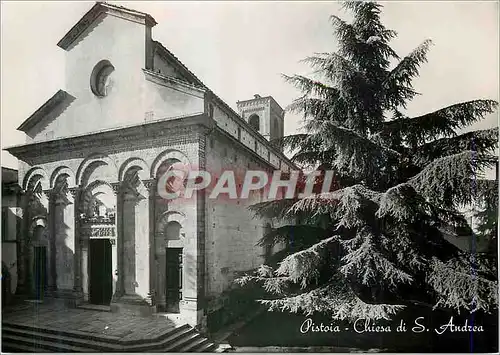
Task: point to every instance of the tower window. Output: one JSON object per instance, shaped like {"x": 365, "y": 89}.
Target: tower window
{"x": 239, "y": 133}
{"x": 254, "y": 122}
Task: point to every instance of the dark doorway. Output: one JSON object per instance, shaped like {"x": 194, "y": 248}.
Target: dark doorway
{"x": 40, "y": 271}
{"x": 101, "y": 278}
{"x": 174, "y": 279}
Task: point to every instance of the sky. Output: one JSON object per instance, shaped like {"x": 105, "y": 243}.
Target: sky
{"x": 239, "y": 49}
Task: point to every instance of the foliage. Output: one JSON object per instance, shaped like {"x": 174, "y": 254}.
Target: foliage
{"x": 376, "y": 242}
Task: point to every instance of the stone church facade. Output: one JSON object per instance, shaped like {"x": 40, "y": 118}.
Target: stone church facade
{"x": 94, "y": 229}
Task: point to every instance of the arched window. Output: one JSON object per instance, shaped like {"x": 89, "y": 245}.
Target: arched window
{"x": 254, "y": 121}
{"x": 173, "y": 231}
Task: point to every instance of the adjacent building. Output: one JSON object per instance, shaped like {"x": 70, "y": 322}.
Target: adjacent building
{"x": 11, "y": 221}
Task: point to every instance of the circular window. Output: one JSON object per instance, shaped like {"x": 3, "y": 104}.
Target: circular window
{"x": 101, "y": 80}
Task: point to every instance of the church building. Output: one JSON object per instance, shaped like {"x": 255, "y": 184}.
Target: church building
{"x": 94, "y": 229}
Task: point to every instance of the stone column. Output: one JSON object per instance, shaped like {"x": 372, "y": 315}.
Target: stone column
{"x": 151, "y": 187}
{"x": 142, "y": 245}
{"x": 27, "y": 249}
{"x": 77, "y": 269}
{"x": 117, "y": 247}
{"x": 84, "y": 267}
{"x": 39, "y": 207}
{"x": 22, "y": 241}
{"x": 51, "y": 228}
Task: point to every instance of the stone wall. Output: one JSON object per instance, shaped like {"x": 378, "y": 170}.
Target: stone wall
{"x": 232, "y": 231}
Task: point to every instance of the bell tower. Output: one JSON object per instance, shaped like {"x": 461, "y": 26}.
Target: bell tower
{"x": 264, "y": 115}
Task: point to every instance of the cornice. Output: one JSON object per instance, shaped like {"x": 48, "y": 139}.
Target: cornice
{"x": 260, "y": 101}
{"x": 59, "y": 97}
{"x": 98, "y": 9}
{"x": 254, "y": 102}
{"x": 174, "y": 83}
{"x": 254, "y": 154}
{"x": 113, "y": 136}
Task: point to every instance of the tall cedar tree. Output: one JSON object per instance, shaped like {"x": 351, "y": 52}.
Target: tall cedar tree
{"x": 376, "y": 243}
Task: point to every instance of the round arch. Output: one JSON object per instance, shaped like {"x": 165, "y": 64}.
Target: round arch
{"x": 254, "y": 122}
{"x": 137, "y": 163}
{"x": 36, "y": 173}
{"x": 62, "y": 170}
{"x": 170, "y": 154}
{"x": 170, "y": 216}
{"x": 95, "y": 158}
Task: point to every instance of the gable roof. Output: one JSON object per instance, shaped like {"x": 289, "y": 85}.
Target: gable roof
{"x": 98, "y": 9}
{"x": 59, "y": 97}
{"x": 197, "y": 82}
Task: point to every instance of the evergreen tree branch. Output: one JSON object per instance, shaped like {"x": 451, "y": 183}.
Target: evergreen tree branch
{"x": 335, "y": 299}
{"x": 481, "y": 141}
{"x": 448, "y": 181}
{"x": 292, "y": 141}
{"x": 398, "y": 84}
{"x": 340, "y": 71}
{"x": 348, "y": 205}
{"x": 407, "y": 68}
{"x": 273, "y": 209}
{"x": 295, "y": 235}
{"x": 367, "y": 264}
{"x": 304, "y": 266}
{"x": 459, "y": 287}
{"x": 309, "y": 86}
{"x": 443, "y": 122}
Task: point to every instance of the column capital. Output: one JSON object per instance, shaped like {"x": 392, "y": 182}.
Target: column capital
{"x": 149, "y": 184}
{"x": 47, "y": 193}
{"x": 117, "y": 187}
{"x": 74, "y": 191}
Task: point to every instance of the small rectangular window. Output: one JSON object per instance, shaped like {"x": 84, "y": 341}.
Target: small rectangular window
{"x": 239, "y": 133}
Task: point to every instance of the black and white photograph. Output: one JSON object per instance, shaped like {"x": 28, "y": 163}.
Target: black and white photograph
{"x": 250, "y": 176}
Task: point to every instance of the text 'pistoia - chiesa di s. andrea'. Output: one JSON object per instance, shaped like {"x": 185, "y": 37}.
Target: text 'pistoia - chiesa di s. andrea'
{"x": 94, "y": 229}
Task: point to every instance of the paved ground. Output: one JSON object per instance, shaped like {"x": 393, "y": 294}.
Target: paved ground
{"x": 107, "y": 324}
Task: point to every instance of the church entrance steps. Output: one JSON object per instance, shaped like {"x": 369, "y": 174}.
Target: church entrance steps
{"x": 30, "y": 339}
{"x": 49, "y": 329}
{"x": 176, "y": 318}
